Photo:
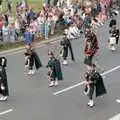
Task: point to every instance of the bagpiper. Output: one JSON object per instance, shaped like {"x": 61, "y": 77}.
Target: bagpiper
{"x": 3, "y": 79}
{"x": 66, "y": 46}
{"x": 32, "y": 59}
{"x": 54, "y": 70}
{"x": 91, "y": 46}
{"x": 94, "y": 81}
{"x": 114, "y": 35}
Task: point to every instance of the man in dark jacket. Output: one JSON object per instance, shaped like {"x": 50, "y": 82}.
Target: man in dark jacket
{"x": 66, "y": 44}
{"x": 93, "y": 80}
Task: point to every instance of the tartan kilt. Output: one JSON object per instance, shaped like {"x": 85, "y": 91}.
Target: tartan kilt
{"x": 88, "y": 60}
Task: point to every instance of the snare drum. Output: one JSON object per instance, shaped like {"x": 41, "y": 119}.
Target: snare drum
{"x": 112, "y": 40}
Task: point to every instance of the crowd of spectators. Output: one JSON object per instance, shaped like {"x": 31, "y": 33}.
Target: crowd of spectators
{"x": 30, "y": 25}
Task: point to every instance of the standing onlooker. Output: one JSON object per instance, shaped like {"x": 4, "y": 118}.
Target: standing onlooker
{"x": 33, "y": 28}
{"x": 40, "y": 21}
{"x": 5, "y": 31}
{"x": 11, "y": 19}
{"x": 12, "y": 33}
{"x": 47, "y": 28}
{"x": 31, "y": 15}
{"x": 27, "y": 37}
{"x": 6, "y": 19}
{"x": 17, "y": 27}
{"x": 53, "y": 23}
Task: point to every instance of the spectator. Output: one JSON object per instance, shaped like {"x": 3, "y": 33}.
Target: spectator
{"x": 30, "y": 15}
{"x": 5, "y": 31}
{"x": 47, "y": 28}
{"x": 50, "y": 17}
{"x": 1, "y": 25}
{"x": 17, "y": 27}
{"x": 53, "y": 23}
{"x": 12, "y": 33}
{"x": 11, "y": 19}
{"x": 33, "y": 28}
{"x": 27, "y": 37}
{"x": 6, "y": 19}
{"x": 40, "y": 21}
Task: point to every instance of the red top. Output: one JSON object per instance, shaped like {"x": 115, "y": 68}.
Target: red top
{"x": 1, "y": 24}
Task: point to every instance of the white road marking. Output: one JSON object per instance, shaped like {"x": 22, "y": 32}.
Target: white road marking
{"x": 81, "y": 83}
{"x": 69, "y": 88}
{"x": 118, "y": 100}
{"x": 116, "y": 117}
{"x": 111, "y": 70}
{"x": 6, "y": 111}
{"x": 20, "y": 51}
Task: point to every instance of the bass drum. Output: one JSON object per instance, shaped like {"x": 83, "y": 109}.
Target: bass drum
{"x": 112, "y": 40}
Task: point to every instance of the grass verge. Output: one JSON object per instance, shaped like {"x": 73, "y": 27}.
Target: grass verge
{"x": 9, "y": 46}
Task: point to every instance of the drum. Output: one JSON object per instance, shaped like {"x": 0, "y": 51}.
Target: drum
{"x": 112, "y": 40}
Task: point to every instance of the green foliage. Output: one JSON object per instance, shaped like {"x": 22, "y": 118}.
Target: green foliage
{"x": 36, "y": 4}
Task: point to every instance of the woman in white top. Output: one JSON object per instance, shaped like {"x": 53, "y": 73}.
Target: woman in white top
{"x": 5, "y": 31}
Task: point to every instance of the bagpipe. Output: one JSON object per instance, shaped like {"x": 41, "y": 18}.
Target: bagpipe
{"x": 90, "y": 49}
{"x": 98, "y": 83}
{"x": 91, "y": 45}
{"x": 49, "y": 74}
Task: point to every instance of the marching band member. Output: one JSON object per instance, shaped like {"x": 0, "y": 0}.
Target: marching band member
{"x": 66, "y": 44}
{"x": 54, "y": 70}
{"x": 3, "y": 79}
{"x": 94, "y": 81}
{"x": 91, "y": 47}
{"x": 32, "y": 59}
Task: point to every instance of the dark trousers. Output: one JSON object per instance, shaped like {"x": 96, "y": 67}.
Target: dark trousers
{"x": 4, "y": 92}
{"x": 91, "y": 92}
{"x": 117, "y": 39}
{"x": 30, "y": 67}
{"x": 65, "y": 53}
{"x": 1, "y": 35}
{"x": 71, "y": 51}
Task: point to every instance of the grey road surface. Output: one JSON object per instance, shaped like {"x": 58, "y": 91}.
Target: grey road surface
{"x": 32, "y": 99}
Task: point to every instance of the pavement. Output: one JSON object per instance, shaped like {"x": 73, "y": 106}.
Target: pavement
{"x": 37, "y": 44}
{"x": 31, "y": 98}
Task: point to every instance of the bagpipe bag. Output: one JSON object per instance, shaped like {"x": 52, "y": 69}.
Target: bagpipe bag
{"x": 100, "y": 87}
{"x": 38, "y": 63}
